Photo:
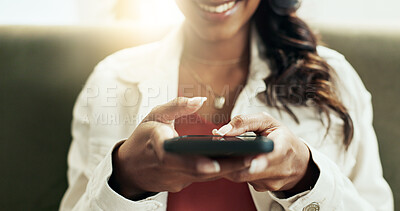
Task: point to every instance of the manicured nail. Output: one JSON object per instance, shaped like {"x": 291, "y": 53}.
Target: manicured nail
{"x": 257, "y": 166}
{"x": 208, "y": 167}
{"x": 224, "y": 130}
{"x": 196, "y": 101}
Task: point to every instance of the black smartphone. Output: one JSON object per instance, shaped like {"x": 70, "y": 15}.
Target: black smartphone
{"x": 217, "y": 146}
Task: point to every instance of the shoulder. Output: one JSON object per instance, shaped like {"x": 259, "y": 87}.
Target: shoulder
{"x": 328, "y": 53}
{"x": 343, "y": 69}
{"x": 349, "y": 85}
{"x": 131, "y": 56}
{"x": 107, "y": 78}
{"x": 135, "y": 61}
{"x": 337, "y": 61}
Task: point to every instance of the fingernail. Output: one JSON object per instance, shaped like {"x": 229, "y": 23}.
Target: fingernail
{"x": 214, "y": 132}
{"x": 208, "y": 167}
{"x": 196, "y": 101}
{"x": 257, "y": 166}
{"x": 224, "y": 130}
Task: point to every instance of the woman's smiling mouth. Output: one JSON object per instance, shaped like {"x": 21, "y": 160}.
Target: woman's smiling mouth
{"x": 219, "y": 8}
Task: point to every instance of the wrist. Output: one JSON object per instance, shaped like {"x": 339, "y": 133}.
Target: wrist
{"x": 308, "y": 181}
{"x": 120, "y": 184}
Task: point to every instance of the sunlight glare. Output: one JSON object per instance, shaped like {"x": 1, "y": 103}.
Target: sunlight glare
{"x": 164, "y": 12}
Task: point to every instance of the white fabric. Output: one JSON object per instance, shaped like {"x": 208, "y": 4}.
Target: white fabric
{"x": 126, "y": 85}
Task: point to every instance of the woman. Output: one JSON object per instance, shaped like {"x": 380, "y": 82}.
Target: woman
{"x": 254, "y": 61}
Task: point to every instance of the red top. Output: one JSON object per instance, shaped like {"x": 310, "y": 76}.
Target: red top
{"x": 218, "y": 195}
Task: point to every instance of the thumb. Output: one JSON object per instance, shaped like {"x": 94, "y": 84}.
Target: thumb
{"x": 174, "y": 109}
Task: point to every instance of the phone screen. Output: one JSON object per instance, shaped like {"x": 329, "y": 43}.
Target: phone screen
{"x": 217, "y": 138}
{"x": 219, "y": 146}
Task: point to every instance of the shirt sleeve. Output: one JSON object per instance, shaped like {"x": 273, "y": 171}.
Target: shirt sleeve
{"x": 88, "y": 179}
{"x": 99, "y": 195}
{"x": 364, "y": 187}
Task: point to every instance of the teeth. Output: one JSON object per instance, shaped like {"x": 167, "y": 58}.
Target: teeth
{"x": 217, "y": 9}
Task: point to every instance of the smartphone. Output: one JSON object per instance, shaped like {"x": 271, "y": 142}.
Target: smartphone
{"x": 217, "y": 146}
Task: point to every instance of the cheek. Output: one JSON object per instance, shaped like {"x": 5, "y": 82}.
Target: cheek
{"x": 252, "y": 5}
{"x": 249, "y": 7}
{"x": 186, "y": 7}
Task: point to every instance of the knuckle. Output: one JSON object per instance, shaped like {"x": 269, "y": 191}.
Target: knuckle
{"x": 155, "y": 110}
{"x": 149, "y": 145}
{"x": 283, "y": 173}
{"x": 176, "y": 186}
{"x": 239, "y": 177}
{"x": 275, "y": 186}
{"x": 290, "y": 153}
{"x": 239, "y": 120}
{"x": 181, "y": 101}
{"x": 294, "y": 172}
{"x": 259, "y": 188}
{"x": 175, "y": 189}
{"x": 288, "y": 172}
{"x": 154, "y": 113}
{"x": 272, "y": 122}
{"x": 280, "y": 149}
{"x": 155, "y": 133}
{"x": 163, "y": 132}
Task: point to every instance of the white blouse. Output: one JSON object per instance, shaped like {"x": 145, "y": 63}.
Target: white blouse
{"x": 125, "y": 86}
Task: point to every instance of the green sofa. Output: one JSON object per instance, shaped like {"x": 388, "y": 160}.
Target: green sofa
{"x": 43, "y": 68}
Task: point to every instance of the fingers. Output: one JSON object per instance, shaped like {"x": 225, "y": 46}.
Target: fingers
{"x": 273, "y": 165}
{"x": 203, "y": 167}
{"x": 226, "y": 166}
{"x": 229, "y": 165}
{"x": 174, "y": 109}
{"x": 158, "y": 134}
{"x": 257, "y": 165}
{"x": 261, "y": 123}
{"x": 263, "y": 162}
{"x": 218, "y": 168}
{"x": 193, "y": 164}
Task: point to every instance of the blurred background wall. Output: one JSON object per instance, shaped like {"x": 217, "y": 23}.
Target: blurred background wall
{"x": 49, "y": 47}
{"x": 71, "y": 12}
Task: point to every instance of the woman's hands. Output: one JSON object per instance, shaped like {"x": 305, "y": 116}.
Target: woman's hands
{"x": 287, "y": 168}
{"x": 140, "y": 164}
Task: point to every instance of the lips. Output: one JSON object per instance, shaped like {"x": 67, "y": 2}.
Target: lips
{"x": 215, "y": 7}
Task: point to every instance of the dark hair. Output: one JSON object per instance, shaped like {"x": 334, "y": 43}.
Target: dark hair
{"x": 292, "y": 52}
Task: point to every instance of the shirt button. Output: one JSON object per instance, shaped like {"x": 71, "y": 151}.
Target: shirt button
{"x": 312, "y": 207}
